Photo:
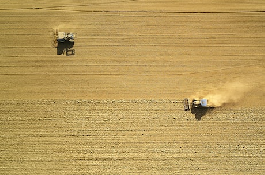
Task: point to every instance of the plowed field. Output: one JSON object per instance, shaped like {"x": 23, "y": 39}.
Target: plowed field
{"x": 116, "y": 106}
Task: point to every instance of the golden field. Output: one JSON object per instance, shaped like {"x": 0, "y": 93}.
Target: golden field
{"x": 116, "y": 106}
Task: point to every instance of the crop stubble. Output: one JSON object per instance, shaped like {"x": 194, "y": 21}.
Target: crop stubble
{"x": 129, "y": 50}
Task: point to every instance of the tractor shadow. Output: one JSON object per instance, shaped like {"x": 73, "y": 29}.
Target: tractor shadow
{"x": 199, "y": 112}
{"x": 65, "y": 48}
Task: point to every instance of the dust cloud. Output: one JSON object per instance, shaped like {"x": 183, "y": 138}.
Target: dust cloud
{"x": 65, "y": 28}
{"x": 229, "y": 93}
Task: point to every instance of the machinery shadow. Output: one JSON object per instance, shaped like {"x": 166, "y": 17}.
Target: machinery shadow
{"x": 65, "y": 48}
{"x": 199, "y": 112}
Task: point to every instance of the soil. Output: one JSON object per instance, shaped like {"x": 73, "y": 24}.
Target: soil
{"x": 116, "y": 106}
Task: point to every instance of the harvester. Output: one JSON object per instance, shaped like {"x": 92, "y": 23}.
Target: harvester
{"x": 194, "y": 104}
{"x": 64, "y": 42}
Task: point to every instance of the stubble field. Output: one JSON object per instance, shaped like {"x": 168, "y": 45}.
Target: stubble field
{"x": 115, "y": 107}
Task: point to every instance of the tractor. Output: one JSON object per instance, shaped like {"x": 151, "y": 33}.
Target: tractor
{"x": 64, "y": 42}
{"x": 197, "y": 107}
{"x": 194, "y": 104}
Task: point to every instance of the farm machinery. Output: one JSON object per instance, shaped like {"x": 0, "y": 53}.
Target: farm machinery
{"x": 194, "y": 104}
{"x": 64, "y": 42}
{"x": 197, "y": 107}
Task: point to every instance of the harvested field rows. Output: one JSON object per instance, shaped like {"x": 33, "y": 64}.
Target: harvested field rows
{"x": 128, "y": 54}
{"x": 116, "y": 106}
{"x": 136, "y": 136}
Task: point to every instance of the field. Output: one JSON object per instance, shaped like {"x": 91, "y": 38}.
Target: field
{"x": 116, "y": 106}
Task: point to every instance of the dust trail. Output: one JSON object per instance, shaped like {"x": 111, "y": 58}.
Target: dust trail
{"x": 65, "y": 28}
{"x": 230, "y": 93}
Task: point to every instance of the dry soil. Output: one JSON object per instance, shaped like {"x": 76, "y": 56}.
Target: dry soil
{"x": 115, "y": 107}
